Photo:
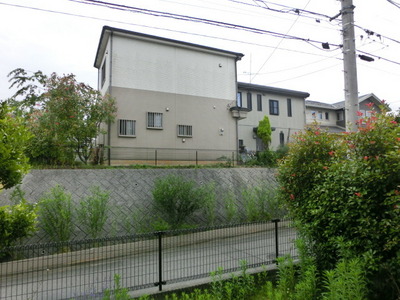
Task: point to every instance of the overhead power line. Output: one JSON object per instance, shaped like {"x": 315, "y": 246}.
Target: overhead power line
{"x": 196, "y": 19}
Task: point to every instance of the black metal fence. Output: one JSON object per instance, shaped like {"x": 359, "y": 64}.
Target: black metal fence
{"x": 86, "y": 269}
{"x": 166, "y": 156}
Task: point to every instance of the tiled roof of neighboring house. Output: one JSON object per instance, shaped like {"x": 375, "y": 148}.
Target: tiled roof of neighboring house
{"x": 310, "y": 103}
{"x": 341, "y": 104}
{"x": 107, "y": 30}
{"x": 272, "y": 90}
{"x": 362, "y": 98}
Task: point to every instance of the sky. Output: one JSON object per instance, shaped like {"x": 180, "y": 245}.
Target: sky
{"x": 62, "y": 36}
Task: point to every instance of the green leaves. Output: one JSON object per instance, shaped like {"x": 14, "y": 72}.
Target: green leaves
{"x": 346, "y": 186}
{"x": 264, "y": 131}
{"x": 14, "y": 137}
{"x": 63, "y": 114}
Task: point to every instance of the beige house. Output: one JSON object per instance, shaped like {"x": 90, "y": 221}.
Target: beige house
{"x": 332, "y": 116}
{"x": 284, "y": 108}
{"x": 173, "y": 97}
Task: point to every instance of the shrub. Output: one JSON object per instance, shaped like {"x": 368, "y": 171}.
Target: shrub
{"x": 176, "y": 199}
{"x": 92, "y": 212}
{"x": 346, "y": 188}
{"x": 56, "y": 212}
{"x": 16, "y": 222}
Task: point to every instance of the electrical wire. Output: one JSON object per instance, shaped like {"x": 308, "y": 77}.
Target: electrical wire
{"x": 280, "y": 42}
{"x": 196, "y": 19}
{"x": 165, "y": 29}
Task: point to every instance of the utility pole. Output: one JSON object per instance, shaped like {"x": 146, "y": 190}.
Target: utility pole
{"x": 350, "y": 66}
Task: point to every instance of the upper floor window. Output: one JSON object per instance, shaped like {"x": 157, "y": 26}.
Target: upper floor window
{"x": 185, "y": 130}
{"x": 289, "y": 107}
{"x": 103, "y": 72}
{"x": 239, "y": 99}
{"x": 259, "y": 102}
{"x": 274, "y": 107}
{"x": 154, "y": 120}
{"x": 249, "y": 101}
{"x": 127, "y": 127}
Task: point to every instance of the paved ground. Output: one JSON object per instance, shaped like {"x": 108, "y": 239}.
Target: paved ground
{"x": 184, "y": 258}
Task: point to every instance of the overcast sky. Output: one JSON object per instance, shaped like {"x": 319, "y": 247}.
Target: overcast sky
{"x": 62, "y": 36}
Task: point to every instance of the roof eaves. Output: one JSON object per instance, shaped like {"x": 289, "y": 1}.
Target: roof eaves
{"x": 272, "y": 90}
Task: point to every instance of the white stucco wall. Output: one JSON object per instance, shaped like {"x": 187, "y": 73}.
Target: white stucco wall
{"x": 152, "y": 66}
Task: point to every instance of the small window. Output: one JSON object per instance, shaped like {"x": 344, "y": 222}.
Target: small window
{"x": 103, "y": 73}
{"x": 340, "y": 116}
{"x": 274, "y": 107}
{"x": 127, "y": 128}
{"x": 249, "y": 101}
{"x": 259, "y": 102}
{"x": 289, "y": 107}
{"x": 185, "y": 130}
{"x": 313, "y": 115}
{"x": 320, "y": 115}
{"x": 326, "y": 116}
{"x": 154, "y": 120}
{"x": 239, "y": 99}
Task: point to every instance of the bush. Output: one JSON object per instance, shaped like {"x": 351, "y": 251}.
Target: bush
{"x": 16, "y": 222}
{"x": 260, "y": 204}
{"x": 56, "y": 213}
{"x": 176, "y": 199}
{"x": 346, "y": 188}
{"x": 92, "y": 212}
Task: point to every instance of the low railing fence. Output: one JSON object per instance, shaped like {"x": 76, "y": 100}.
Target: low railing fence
{"x": 86, "y": 269}
{"x": 166, "y": 156}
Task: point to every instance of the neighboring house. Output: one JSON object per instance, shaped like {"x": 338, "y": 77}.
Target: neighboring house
{"x": 171, "y": 95}
{"x": 284, "y": 108}
{"x": 332, "y": 116}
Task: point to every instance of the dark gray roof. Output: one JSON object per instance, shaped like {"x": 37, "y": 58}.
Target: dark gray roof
{"x": 107, "y": 30}
{"x": 272, "y": 90}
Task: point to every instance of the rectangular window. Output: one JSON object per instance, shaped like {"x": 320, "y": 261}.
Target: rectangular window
{"x": 320, "y": 115}
{"x": 249, "y": 101}
{"x": 154, "y": 120}
{"x": 340, "y": 116}
{"x": 127, "y": 128}
{"x": 274, "y": 107}
{"x": 289, "y": 107}
{"x": 326, "y": 116}
{"x": 239, "y": 99}
{"x": 103, "y": 73}
{"x": 185, "y": 130}
{"x": 259, "y": 102}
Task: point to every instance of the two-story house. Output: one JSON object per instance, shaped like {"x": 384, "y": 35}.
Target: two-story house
{"x": 284, "y": 108}
{"x": 172, "y": 96}
{"x": 332, "y": 117}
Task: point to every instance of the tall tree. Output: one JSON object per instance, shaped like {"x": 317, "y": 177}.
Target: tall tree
{"x": 65, "y": 115}
{"x": 14, "y": 137}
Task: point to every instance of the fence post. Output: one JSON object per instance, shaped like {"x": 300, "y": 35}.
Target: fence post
{"x": 155, "y": 157}
{"x": 160, "y": 281}
{"x": 276, "y": 221}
